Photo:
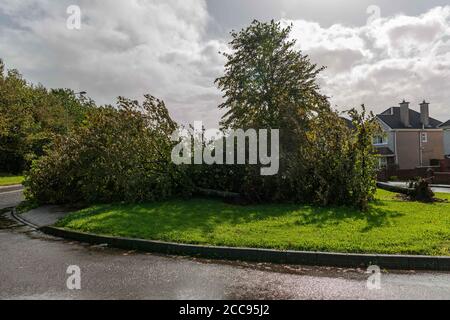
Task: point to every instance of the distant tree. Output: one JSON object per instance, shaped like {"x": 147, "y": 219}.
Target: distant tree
{"x": 31, "y": 117}
{"x": 16, "y": 120}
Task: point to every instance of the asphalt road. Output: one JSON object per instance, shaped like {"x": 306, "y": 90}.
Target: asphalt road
{"x": 10, "y": 198}
{"x": 34, "y": 266}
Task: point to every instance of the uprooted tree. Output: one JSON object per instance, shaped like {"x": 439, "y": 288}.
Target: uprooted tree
{"x": 116, "y": 154}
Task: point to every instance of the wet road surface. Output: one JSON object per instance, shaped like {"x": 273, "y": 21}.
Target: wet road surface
{"x": 33, "y": 266}
{"x": 10, "y": 198}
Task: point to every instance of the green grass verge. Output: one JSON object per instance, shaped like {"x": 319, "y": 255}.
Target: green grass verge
{"x": 391, "y": 226}
{"x": 6, "y": 180}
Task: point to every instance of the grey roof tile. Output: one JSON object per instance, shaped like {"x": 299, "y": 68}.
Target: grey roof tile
{"x": 392, "y": 118}
{"x": 445, "y": 124}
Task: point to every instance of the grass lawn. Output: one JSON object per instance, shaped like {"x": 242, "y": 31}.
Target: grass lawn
{"x": 6, "y": 180}
{"x": 391, "y": 226}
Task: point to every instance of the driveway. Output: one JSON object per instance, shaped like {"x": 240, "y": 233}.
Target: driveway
{"x": 435, "y": 188}
{"x": 34, "y": 266}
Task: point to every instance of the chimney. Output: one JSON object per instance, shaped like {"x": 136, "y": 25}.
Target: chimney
{"x": 404, "y": 113}
{"x": 425, "y": 113}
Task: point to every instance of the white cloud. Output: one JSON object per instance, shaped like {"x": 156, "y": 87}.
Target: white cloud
{"x": 381, "y": 63}
{"x": 123, "y": 48}
{"x": 162, "y": 47}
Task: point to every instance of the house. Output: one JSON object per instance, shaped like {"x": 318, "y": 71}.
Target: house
{"x": 410, "y": 139}
{"x": 446, "y": 127}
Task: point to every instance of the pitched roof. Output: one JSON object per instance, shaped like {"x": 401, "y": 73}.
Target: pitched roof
{"x": 385, "y": 151}
{"x": 392, "y": 118}
{"x": 348, "y": 123}
{"x": 445, "y": 124}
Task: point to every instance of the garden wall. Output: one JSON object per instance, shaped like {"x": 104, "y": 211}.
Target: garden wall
{"x": 439, "y": 175}
{"x": 441, "y": 178}
{"x": 387, "y": 173}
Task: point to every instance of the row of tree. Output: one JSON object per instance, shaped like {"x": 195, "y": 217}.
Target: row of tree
{"x": 31, "y": 117}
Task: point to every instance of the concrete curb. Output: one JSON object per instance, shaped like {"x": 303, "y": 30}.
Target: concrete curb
{"x": 404, "y": 262}
{"x": 21, "y": 220}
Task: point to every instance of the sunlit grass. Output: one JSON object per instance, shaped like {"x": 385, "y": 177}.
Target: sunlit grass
{"x": 7, "y": 180}
{"x": 391, "y": 226}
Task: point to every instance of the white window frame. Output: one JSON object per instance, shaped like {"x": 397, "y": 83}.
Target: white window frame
{"x": 383, "y": 140}
{"x": 424, "y": 137}
{"x": 382, "y": 162}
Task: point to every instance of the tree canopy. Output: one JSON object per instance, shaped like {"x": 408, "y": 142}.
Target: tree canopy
{"x": 268, "y": 83}
{"x": 31, "y": 116}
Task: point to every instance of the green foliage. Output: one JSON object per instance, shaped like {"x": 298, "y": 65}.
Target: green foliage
{"x": 31, "y": 117}
{"x": 390, "y": 226}
{"x": 266, "y": 80}
{"x": 123, "y": 154}
{"x": 269, "y": 84}
{"x": 362, "y": 156}
{"x": 117, "y": 154}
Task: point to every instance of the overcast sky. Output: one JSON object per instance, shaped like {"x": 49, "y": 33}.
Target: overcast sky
{"x": 169, "y": 48}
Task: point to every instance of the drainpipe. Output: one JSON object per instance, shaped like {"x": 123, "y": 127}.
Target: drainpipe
{"x": 396, "y": 150}
{"x": 420, "y": 148}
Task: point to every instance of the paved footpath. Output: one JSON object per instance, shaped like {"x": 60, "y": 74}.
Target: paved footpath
{"x": 34, "y": 266}
{"x": 46, "y": 215}
{"x": 436, "y": 188}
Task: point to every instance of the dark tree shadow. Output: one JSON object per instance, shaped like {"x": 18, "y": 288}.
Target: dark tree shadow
{"x": 375, "y": 216}
{"x": 203, "y": 215}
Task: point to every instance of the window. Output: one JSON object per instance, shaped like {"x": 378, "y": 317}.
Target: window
{"x": 382, "y": 162}
{"x": 379, "y": 139}
{"x": 424, "y": 137}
